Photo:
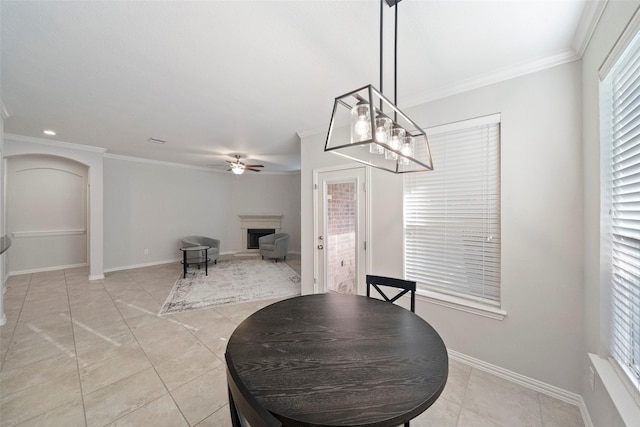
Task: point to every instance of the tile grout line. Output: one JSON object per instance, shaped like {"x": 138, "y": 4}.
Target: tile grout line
{"x": 6, "y": 355}
{"x": 75, "y": 348}
{"x": 539, "y": 406}
{"x": 464, "y": 396}
{"x": 75, "y": 356}
{"x": 133, "y": 279}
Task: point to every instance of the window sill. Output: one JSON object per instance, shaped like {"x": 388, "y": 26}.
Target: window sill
{"x": 622, "y": 398}
{"x": 461, "y": 304}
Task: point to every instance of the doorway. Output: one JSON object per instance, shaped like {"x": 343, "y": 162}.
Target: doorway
{"x": 340, "y": 262}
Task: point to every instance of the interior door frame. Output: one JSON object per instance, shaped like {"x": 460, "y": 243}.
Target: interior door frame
{"x": 367, "y": 218}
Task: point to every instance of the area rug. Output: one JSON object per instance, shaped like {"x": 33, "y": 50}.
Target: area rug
{"x": 231, "y": 282}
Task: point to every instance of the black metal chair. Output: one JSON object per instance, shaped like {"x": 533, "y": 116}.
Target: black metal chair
{"x": 405, "y": 285}
{"x": 243, "y": 407}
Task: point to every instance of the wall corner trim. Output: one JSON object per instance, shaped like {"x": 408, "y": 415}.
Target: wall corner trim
{"x": 587, "y": 26}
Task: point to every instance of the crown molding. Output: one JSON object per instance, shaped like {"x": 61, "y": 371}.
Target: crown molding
{"x": 586, "y": 27}
{"x": 4, "y": 111}
{"x": 53, "y": 143}
{"x": 507, "y": 73}
{"x": 184, "y": 165}
{"x": 311, "y": 132}
{"x": 156, "y": 162}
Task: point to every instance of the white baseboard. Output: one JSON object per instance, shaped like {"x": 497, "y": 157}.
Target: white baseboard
{"x": 96, "y": 277}
{"x": 41, "y": 270}
{"x": 169, "y": 261}
{"x": 146, "y": 264}
{"x": 533, "y": 384}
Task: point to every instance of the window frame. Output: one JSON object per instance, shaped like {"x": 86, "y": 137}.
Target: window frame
{"x": 469, "y": 304}
{"x": 628, "y": 375}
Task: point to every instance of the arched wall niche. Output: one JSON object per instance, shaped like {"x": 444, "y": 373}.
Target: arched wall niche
{"x": 92, "y": 158}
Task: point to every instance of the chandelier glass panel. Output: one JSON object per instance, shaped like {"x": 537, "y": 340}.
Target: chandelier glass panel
{"x": 368, "y": 128}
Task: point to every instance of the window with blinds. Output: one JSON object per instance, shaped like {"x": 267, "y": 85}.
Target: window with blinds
{"x": 620, "y": 127}
{"x": 452, "y": 214}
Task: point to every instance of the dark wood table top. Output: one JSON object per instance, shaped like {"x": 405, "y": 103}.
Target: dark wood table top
{"x": 339, "y": 360}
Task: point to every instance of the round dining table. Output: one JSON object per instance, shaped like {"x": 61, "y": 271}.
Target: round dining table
{"x": 339, "y": 360}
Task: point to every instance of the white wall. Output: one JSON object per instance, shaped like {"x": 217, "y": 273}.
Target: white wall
{"x": 541, "y": 225}
{"x": 612, "y": 23}
{"x": 257, "y": 193}
{"x": 149, "y": 205}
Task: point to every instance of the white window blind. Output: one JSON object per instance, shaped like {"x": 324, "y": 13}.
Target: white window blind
{"x": 452, "y": 214}
{"x": 620, "y": 110}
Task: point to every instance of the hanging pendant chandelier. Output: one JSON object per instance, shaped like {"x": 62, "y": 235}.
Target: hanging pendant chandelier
{"x": 369, "y": 128}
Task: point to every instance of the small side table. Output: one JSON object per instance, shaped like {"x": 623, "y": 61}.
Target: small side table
{"x": 193, "y": 255}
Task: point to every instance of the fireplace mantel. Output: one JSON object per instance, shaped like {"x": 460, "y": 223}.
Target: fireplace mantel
{"x": 257, "y": 221}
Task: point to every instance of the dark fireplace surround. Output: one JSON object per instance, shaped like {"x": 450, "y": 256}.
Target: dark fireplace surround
{"x": 253, "y": 234}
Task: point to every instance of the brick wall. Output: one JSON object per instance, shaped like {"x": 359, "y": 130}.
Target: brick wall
{"x": 341, "y": 238}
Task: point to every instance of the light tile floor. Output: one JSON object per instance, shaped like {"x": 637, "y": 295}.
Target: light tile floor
{"x": 94, "y": 353}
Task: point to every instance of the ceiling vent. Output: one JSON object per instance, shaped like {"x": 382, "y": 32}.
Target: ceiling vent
{"x": 156, "y": 140}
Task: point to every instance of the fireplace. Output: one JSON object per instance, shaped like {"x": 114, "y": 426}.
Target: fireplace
{"x": 257, "y": 222}
{"x": 253, "y": 234}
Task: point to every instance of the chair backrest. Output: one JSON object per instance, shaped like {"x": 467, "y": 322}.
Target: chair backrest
{"x": 242, "y": 405}
{"x": 404, "y": 285}
{"x": 200, "y": 241}
{"x": 282, "y": 239}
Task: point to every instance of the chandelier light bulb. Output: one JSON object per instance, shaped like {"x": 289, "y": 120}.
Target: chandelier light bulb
{"x": 397, "y": 135}
{"x": 360, "y": 123}
{"x": 406, "y": 150}
{"x": 383, "y": 130}
{"x": 362, "y": 127}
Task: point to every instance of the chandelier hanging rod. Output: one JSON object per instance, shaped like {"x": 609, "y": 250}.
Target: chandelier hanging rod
{"x": 380, "y": 134}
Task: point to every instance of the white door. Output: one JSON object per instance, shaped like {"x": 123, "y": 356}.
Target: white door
{"x": 340, "y": 263}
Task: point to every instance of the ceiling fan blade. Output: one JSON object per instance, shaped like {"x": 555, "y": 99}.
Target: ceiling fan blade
{"x": 254, "y": 166}
{"x": 251, "y": 169}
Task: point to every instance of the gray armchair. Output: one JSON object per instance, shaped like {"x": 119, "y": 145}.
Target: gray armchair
{"x": 274, "y": 245}
{"x": 214, "y": 245}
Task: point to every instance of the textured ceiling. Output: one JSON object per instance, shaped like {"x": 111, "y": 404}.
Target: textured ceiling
{"x": 215, "y": 78}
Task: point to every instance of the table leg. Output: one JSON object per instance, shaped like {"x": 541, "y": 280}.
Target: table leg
{"x": 235, "y": 418}
{"x": 184, "y": 264}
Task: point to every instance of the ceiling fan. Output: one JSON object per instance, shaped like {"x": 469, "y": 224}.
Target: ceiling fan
{"x": 238, "y": 167}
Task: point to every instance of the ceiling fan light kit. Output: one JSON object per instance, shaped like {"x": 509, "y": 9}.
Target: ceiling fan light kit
{"x": 238, "y": 167}
{"x": 368, "y": 128}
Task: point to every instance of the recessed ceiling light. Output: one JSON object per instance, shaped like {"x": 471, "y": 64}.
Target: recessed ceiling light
{"x": 49, "y": 132}
{"x": 156, "y": 140}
